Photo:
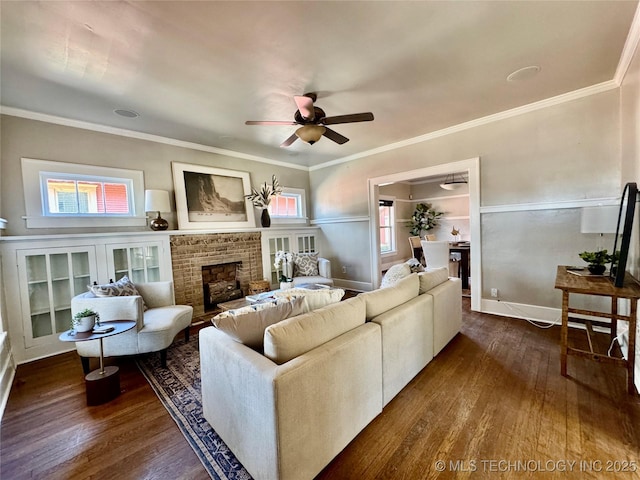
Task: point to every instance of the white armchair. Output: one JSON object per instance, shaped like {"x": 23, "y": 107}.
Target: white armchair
{"x": 156, "y": 327}
{"x": 323, "y": 277}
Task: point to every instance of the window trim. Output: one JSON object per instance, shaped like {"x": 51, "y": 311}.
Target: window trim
{"x": 35, "y": 206}
{"x": 392, "y": 226}
{"x": 302, "y": 218}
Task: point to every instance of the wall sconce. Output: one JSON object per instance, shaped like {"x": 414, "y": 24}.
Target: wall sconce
{"x": 450, "y": 182}
{"x": 310, "y": 133}
{"x": 157, "y": 201}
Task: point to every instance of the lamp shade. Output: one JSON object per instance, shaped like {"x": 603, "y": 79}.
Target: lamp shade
{"x": 600, "y": 219}
{"x": 156, "y": 201}
{"x": 310, "y": 133}
{"x": 450, "y": 183}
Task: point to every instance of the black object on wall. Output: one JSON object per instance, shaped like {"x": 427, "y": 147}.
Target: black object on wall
{"x": 623, "y": 232}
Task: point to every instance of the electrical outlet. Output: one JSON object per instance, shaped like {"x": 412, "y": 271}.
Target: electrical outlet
{"x": 344, "y": 269}
{"x": 494, "y": 292}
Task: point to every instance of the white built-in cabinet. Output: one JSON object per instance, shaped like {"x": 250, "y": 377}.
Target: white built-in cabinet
{"x": 141, "y": 262}
{"x": 292, "y": 240}
{"x": 47, "y": 279}
{"x": 44, "y": 273}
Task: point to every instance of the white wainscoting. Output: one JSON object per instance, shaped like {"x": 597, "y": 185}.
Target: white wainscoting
{"x": 7, "y": 371}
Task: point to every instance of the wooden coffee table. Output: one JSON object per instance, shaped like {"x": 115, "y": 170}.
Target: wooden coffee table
{"x": 103, "y": 384}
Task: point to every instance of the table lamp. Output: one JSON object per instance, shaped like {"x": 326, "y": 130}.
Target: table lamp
{"x": 601, "y": 219}
{"x": 157, "y": 201}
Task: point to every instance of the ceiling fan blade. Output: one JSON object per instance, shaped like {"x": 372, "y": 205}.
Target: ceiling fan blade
{"x": 305, "y": 106}
{"x": 289, "y": 140}
{"x": 268, "y": 122}
{"x": 354, "y": 117}
{"x": 335, "y": 136}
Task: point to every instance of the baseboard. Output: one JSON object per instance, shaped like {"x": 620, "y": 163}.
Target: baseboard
{"x": 7, "y": 371}
{"x": 353, "y": 285}
{"x": 533, "y": 313}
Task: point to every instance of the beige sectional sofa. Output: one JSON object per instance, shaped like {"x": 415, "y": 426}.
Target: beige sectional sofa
{"x": 286, "y": 411}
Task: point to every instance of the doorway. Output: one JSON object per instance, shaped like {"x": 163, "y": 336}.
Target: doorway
{"x": 472, "y": 168}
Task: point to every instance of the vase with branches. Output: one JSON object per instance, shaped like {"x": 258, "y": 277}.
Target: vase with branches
{"x": 262, "y": 198}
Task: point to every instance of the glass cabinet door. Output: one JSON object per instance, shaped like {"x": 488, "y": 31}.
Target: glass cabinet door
{"x": 306, "y": 243}
{"x": 52, "y": 277}
{"x": 141, "y": 263}
{"x": 276, "y": 244}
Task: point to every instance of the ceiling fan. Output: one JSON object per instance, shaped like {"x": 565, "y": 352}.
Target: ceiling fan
{"x": 314, "y": 122}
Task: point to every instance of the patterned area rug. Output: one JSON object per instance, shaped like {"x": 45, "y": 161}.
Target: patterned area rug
{"x": 178, "y": 387}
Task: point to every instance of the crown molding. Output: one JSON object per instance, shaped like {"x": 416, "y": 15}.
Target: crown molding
{"x": 95, "y": 127}
{"x": 629, "y": 49}
{"x": 514, "y": 112}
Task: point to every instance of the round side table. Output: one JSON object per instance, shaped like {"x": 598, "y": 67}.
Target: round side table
{"x": 103, "y": 384}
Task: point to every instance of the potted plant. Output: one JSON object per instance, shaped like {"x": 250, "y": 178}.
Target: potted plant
{"x": 597, "y": 261}
{"x": 424, "y": 218}
{"x": 284, "y": 260}
{"x": 84, "y": 320}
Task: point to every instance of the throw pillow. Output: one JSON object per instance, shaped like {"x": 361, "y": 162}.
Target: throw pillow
{"x": 305, "y": 265}
{"x": 122, "y": 288}
{"x": 247, "y": 324}
{"x": 415, "y": 265}
{"x": 395, "y": 273}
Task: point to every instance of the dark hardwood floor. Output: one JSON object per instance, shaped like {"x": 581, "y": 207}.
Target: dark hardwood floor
{"x": 492, "y": 398}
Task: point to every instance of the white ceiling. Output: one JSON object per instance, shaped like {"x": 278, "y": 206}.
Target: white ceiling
{"x": 195, "y": 71}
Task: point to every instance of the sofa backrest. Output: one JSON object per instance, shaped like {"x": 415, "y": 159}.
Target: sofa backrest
{"x": 383, "y": 299}
{"x": 295, "y": 336}
{"x": 432, "y": 277}
{"x": 313, "y": 299}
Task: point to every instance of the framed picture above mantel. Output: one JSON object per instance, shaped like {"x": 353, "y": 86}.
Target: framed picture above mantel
{"x": 208, "y": 198}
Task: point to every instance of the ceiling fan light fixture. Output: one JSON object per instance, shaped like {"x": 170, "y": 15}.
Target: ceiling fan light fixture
{"x": 450, "y": 182}
{"x": 310, "y": 133}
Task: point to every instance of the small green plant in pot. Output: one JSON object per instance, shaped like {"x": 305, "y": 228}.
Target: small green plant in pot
{"x": 597, "y": 261}
{"x": 84, "y": 320}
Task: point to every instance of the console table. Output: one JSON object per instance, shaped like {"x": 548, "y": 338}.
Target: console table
{"x": 570, "y": 281}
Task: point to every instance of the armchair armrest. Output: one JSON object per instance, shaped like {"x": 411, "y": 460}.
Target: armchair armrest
{"x": 324, "y": 267}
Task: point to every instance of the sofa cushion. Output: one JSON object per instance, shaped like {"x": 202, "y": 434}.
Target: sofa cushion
{"x": 295, "y": 336}
{"x": 305, "y": 264}
{"x": 432, "y": 277}
{"x": 383, "y": 299}
{"x": 395, "y": 273}
{"x": 313, "y": 299}
{"x": 247, "y": 324}
{"x": 122, "y": 288}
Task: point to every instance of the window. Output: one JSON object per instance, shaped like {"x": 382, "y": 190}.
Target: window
{"x": 64, "y": 195}
{"x": 289, "y": 206}
{"x": 387, "y": 225}
{"x": 73, "y": 195}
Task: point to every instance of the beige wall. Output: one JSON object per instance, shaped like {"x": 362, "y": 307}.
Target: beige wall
{"x": 34, "y": 139}
{"x": 569, "y": 151}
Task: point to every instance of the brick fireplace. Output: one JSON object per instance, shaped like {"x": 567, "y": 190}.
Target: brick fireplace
{"x": 190, "y": 253}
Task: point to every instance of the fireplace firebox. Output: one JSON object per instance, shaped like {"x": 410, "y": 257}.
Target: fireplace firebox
{"x": 220, "y": 284}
